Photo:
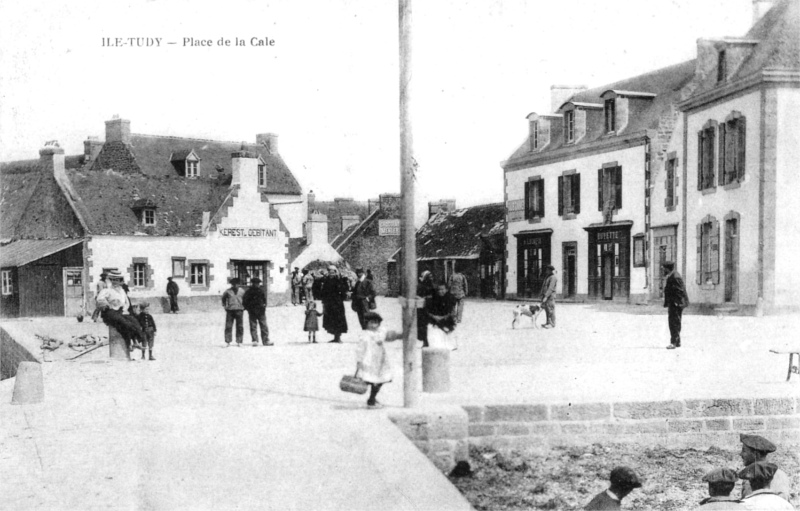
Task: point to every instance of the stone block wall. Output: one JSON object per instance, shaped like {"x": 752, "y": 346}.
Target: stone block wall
{"x": 439, "y": 432}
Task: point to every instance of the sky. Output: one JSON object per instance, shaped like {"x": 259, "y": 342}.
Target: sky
{"x": 328, "y": 85}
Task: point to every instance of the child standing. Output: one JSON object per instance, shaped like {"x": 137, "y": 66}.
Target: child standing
{"x": 312, "y": 321}
{"x": 148, "y": 325}
{"x": 373, "y": 362}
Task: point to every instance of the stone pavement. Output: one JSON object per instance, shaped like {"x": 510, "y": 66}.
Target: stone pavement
{"x": 206, "y": 426}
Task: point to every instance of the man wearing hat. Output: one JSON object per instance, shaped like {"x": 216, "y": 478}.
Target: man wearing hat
{"x": 623, "y": 481}
{"x": 363, "y": 299}
{"x": 759, "y": 475}
{"x": 675, "y": 299}
{"x": 234, "y": 311}
{"x": 255, "y": 303}
{"x": 102, "y": 284}
{"x": 549, "y": 296}
{"x": 720, "y": 485}
{"x": 296, "y": 281}
{"x": 115, "y": 307}
{"x": 755, "y": 449}
{"x": 172, "y": 292}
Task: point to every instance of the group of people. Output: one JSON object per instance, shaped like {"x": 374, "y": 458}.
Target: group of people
{"x": 133, "y": 322}
{"x": 236, "y": 300}
{"x": 443, "y": 305}
{"x": 764, "y": 486}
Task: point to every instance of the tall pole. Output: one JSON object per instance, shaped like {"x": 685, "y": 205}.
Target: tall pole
{"x": 411, "y": 373}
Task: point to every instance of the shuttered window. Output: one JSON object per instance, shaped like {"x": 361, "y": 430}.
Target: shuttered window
{"x": 610, "y": 108}
{"x": 708, "y": 251}
{"x": 732, "y": 138}
{"x": 705, "y": 157}
{"x": 534, "y": 135}
{"x": 609, "y": 188}
{"x": 671, "y": 199}
{"x": 534, "y": 199}
{"x": 569, "y": 194}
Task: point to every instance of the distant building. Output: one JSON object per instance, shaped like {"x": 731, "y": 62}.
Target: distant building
{"x": 200, "y": 211}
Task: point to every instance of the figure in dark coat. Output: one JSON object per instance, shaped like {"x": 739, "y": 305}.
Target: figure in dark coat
{"x": 441, "y": 309}
{"x": 675, "y": 299}
{"x": 172, "y": 292}
{"x": 425, "y": 290}
{"x": 623, "y": 482}
{"x": 333, "y": 290}
{"x": 255, "y": 303}
{"x": 363, "y": 298}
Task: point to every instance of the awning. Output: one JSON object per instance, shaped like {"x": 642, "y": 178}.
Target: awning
{"x": 622, "y": 224}
{"x": 22, "y": 252}
{"x": 533, "y": 232}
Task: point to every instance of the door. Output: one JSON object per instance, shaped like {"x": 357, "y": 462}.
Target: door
{"x": 664, "y": 239}
{"x": 246, "y": 270}
{"x": 731, "y": 260}
{"x": 570, "y": 268}
{"x": 73, "y": 291}
{"x": 608, "y": 274}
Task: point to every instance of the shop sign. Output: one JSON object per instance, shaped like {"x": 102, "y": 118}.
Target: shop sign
{"x": 389, "y": 227}
{"x": 245, "y": 232}
{"x": 532, "y": 242}
{"x": 606, "y": 236}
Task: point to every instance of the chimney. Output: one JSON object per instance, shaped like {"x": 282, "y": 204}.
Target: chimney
{"x": 559, "y": 94}
{"x": 760, "y": 8}
{"x": 317, "y": 229}
{"x": 390, "y": 204}
{"x": 444, "y": 206}
{"x": 118, "y": 130}
{"x": 268, "y": 140}
{"x": 348, "y": 220}
{"x": 51, "y": 157}
{"x": 244, "y": 170}
{"x": 91, "y": 148}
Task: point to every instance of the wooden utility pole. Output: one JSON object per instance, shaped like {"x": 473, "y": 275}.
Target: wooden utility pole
{"x": 411, "y": 374}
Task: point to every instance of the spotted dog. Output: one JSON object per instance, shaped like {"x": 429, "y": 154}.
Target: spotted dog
{"x": 530, "y": 310}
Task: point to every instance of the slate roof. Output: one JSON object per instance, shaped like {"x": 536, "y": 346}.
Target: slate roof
{"x": 459, "y": 234}
{"x": 22, "y": 252}
{"x": 779, "y": 34}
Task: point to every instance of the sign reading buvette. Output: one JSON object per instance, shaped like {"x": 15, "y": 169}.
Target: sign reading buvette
{"x": 241, "y": 232}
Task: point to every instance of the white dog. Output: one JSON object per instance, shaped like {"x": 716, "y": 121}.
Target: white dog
{"x": 532, "y": 311}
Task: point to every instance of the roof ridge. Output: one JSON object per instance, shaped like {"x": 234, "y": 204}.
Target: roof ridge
{"x": 194, "y": 138}
{"x": 358, "y": 226}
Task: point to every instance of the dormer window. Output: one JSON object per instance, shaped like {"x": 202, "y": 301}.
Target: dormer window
{"x": 569, "y": 126}
{"x": 149, "y": 217}
{"x": 534, "y": 135}
{"x": 191, "y": 168}
{"x": 722, "y": 67}
{"x": 262, "y": 173}
{"x": 145, "y": 210}
{"x": 186, "y": 163}
{"x": 610, "y": 109}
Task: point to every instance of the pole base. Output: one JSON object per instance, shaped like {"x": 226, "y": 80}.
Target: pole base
{"x": 29, "y": 384}
{"x": 435, "y": 370}
{"x": 117, "y": 348}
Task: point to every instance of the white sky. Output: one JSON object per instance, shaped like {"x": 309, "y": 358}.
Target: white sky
{"x": 329, "y": 85}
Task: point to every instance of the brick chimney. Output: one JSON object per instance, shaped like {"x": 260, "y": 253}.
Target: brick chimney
{"x": 559, "y": 94}
{"x": 118, "y": 130}
{"x": 391, "y": 204}
{"x": 444, "y": 206}
{"x": 348, "y": 220}
{"x": 760, "y": 8}
{"x": 91, "y": 148}
{"x": 269, "y": 141}
{"x": 244, "y": 170}
{"x": 51, "y": 157}
{"x": 317, "y": 229}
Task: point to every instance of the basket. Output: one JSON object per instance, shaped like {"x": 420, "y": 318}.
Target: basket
{"x": 353, "y": 384}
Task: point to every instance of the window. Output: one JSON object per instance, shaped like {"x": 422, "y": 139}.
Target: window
{"x": 705, "y": 156}
{"x": 671, "y": 166}
{"x": 722, "y": 66}
{"x": 149, "y": 217}
{"x": 191, "y": 168}
{"x": 569, "y": 194}
{"x": 262, "y": 174}
{"x": 139, "y": 274}
{"x": 534, "y": 198}
{"x": 708, "y": 251}
{"x": 638, "y": 250}
{"x": 179, "y": 267}
{"x": 7, "y": 286}
{"x": 569, "y": 126}
{"x": 609, "y": 189}
{"x": 732, "y": 149}
{"x": 611, "y": 115}
{"x": 199, "y": 274}
{"x": 534, "y": 134}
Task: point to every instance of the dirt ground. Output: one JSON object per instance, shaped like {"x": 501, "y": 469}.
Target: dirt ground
{"x": 568, "y": 477}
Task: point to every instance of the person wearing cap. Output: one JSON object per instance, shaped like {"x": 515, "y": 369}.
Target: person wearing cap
{"x": 116, "y": 307}
{"x": 623, "y": 481}
{"x": 101, "y": 284}
{"x": 363, "y": 299}
{"x": 234, "y": 311}
{"x": 307, "y": 282}
{"x": 762, "y": 498}
{"x": 755, "y": 448}
{"x": 372, "y": 360}
{"x": 148, "y": 325}
{"x": 172, "y": 292}
{"x": 675, "y": 299}
{"x": 333, "y": 291}
{"x": 549, "y": 296}
{"x": 720, "y": 485}
{"x": 296, "y": 285}
{"x": 459, "y": 287}
{"x": 255, "y": 303}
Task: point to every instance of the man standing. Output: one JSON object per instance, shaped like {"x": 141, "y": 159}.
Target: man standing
{"x": 623, "y": 482}
{"x": 459, "y": 288}
{"x": 307, "y": 281}
{"x": 755, "y": 449}
{"x": 549, "y": 296}
{"x": 255, "y": 303}
{"x": 102, "y": 284}
{"x": 296, "y": 300}
{"x": 363, "y": 298}
{"x": 232, "y": 300}
{"x": 172, "y": 292}
{"x": 675, "y": 299}
{"x": 115, "y": 306}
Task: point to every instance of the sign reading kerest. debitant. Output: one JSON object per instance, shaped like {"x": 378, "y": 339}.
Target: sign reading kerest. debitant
{"x": 244, "y": 232}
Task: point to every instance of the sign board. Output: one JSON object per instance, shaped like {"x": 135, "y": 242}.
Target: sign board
{"x": 389, "y": 227}
{"x": 244, "y": 232}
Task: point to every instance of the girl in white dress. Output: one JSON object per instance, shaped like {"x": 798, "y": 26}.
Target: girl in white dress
{"x": 373, "y": 362}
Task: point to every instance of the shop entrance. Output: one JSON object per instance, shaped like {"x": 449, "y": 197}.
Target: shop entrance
{"x": 570, "y": 268}
{"x": 246, "y": 270}
{"x": 664, "y": 240}
{"x": 731, "y": 260}
{"x": 609, "y": 261}
{"x": 533, "y": 254}
{"x": 73, "y": 291}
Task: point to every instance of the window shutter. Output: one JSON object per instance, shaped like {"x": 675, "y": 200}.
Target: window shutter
{"x": 599, "y": 189}
{"x": 576, "y": 193}
{"x": 528, "y": 200}
{"x": 710, "y": 154}
{"x": 618, "y": 187}
{"x": 700, "y": 160}
{"x": 714, "y": 252}
{"x": 723, "y": 156}
{"x": 560, "y": 195}
{"x": 740, "y": 148}
{"x": 540, "y": 185}
{"x": 699, "y": 263}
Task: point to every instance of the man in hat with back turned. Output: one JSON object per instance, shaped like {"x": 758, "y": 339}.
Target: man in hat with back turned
{"x": 549, "y": 296}
{"x": 675, "y": 299}
{"x": 623, "y": 481}
{"x": 234, "y": 312}
{"x": 255, "y": 303}
{"x": 720, "y": 485}
{"x": 756, "y": 448}
{"x": 760, "y": 474}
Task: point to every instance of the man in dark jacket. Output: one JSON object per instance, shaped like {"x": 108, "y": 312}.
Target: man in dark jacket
{"x": 363, "y": 297}
{"x": 333, "y": 291}
{"x": 549, "y": 296}
{"x": 623, "y": 482}
{"x": 441, "y": 309}
{"x": 172, "y": 292}
{"x": 675, "y": 299}
{"x": 255, "y": 303}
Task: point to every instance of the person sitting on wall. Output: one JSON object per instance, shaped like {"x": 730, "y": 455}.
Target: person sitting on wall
{"x": 623, "y": 481}
{"x": 440, "y": 309}
{"x": 115, "y": 311}
{"x": 255, "y": 303}
{"x": 425, "y": 289}
{"x": 720, "y": 485}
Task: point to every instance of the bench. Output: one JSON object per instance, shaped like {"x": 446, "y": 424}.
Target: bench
{"x": 793, "y": 368}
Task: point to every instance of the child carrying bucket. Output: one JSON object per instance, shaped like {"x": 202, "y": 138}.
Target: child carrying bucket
{"x": 373, "y": 361}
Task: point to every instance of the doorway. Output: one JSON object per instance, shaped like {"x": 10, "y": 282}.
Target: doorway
{"x": 73, "y": 291}
{"x": 664, "y": 240}
{"x": 246, "y": 270}
{"x": 731, "y": 260}
{"x": 570, "y": 268}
